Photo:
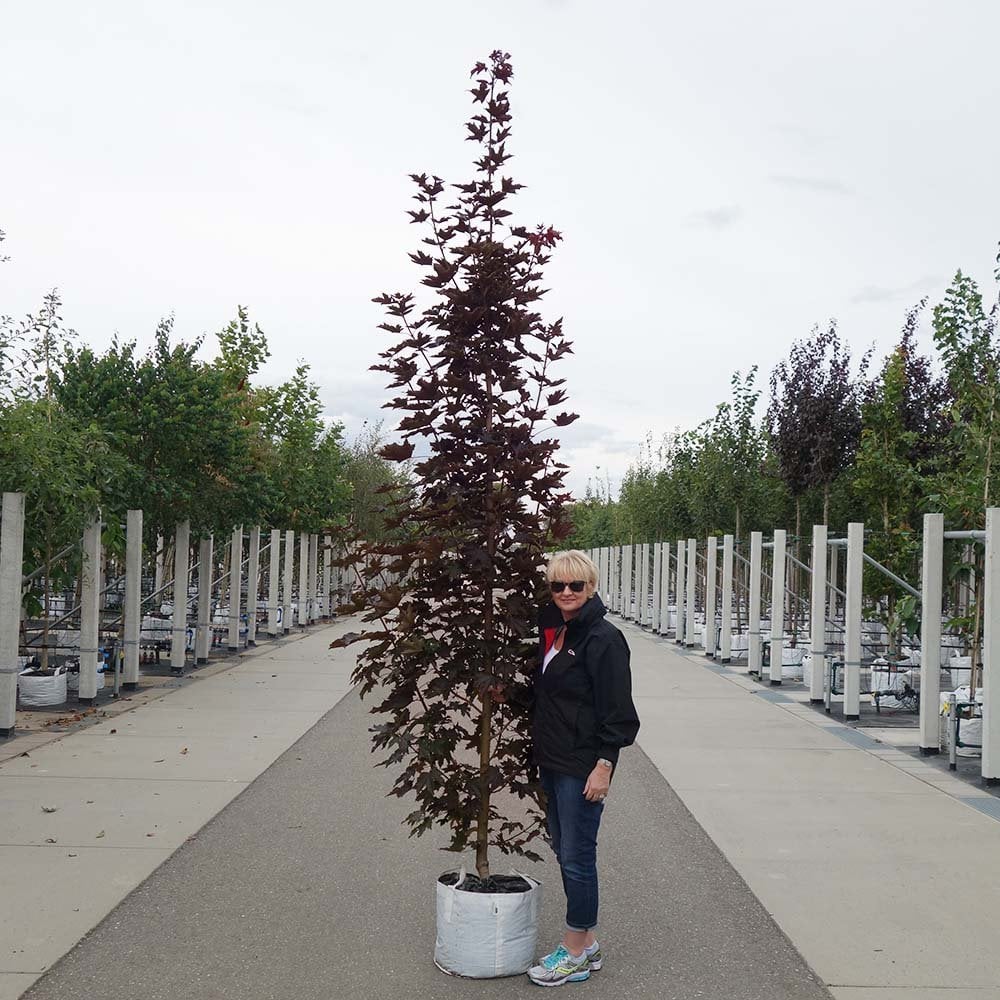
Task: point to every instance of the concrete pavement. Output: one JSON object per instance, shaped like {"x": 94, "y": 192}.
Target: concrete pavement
{"x": 87, "y": 818}
{"x": 741, "y": 805}
{"x": 883, "y": 870}
{"x": 307, "y": 887}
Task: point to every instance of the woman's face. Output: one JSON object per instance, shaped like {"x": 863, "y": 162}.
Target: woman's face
{"x": 568, "y": 601}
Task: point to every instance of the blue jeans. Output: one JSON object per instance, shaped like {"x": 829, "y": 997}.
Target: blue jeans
{"x": 573, "y": 824}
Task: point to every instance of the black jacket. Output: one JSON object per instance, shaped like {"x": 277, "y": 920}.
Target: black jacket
{"x": 583, "y": 706}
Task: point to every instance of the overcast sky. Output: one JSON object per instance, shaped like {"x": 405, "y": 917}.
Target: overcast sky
{"x": 725, "y": 175}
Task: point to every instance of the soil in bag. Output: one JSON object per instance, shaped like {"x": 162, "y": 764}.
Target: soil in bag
{"x": 495, "y": 883}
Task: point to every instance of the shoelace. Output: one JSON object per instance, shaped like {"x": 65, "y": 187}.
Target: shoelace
{"x": 551, "y": 961}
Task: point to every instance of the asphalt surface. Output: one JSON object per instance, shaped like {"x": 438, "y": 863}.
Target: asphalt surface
{"x": 307, "y": 887}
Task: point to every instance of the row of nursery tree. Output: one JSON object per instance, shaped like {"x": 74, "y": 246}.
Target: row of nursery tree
{"x": 837, "y": 441}
{"x": 172, "y": 434}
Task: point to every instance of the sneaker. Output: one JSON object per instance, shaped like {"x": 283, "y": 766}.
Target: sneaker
{"x": 560, "y": 967}
{"x": 594, "y": 959}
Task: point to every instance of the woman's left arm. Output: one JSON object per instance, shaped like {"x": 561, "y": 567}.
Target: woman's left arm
{"x": 611, "y": 676}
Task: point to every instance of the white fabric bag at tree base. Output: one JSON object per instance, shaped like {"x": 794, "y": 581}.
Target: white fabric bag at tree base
{"x": 484, "y": 935}
{"x": 40, "y": 692}
{"x": 970, "y": 731}
{"x": 73, "y": 681}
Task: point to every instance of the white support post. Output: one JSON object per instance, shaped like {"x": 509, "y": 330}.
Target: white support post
{"x": 648, "y": 558}
{"x": 623, "y": 584}
{"x": 636, "y": 559}
{"x": 90, "y": 604}
{"x": 235, "y": 589}
{"x": 286, "y": 582}
{"x": 679, "y": 592}
{"x": 664, "y": 625}
{"x": 642, "y": 611}
{"x": 253, "y": 585}
{"x": 206, "y": 567}
{"x": 618, "y": 577}
{"x": 11, "y": 564}
{"x": 632, "y": 602}
{"x": 852, "y": 622}
{"x": 931, "y": 600}
{"x": 690, "y": 599}
{"x": 817, "y": 614}
{"x": 726, "y": 637}
{"x": 711, "y": 555}
{"x": 313, "y": 578}
{"x": 657, "y": 585}
{"x": 273, "y": 582}
{"x": 628, "y": 583}
{"x": 303, "y": 616}
{"x": 132, "y": 611}
{"x": 991, "y": 651}
{"x": 178, "y": 629}
{"x": 326, "y": 610}
{"x": 754, "y": 658}
{"x": 779, "y": 553}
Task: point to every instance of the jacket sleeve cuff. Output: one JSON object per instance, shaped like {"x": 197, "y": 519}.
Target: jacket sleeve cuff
{"x": 609, "y": 753}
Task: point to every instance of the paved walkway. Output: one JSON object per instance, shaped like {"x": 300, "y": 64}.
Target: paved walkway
{"x": 736, "y": 809}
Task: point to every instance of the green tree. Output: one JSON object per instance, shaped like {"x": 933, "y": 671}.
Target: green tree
{"x": 306, "y": 462}
{"x": 965, "y": 336}
{"x": 375, "y": 485}
{"x": 890, "y": 473}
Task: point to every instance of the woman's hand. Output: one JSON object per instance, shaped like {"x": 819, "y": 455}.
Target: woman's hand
{"x": 596, "y": 789}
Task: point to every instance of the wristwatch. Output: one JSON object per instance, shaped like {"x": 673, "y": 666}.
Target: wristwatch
{"x": 607, "y": 763}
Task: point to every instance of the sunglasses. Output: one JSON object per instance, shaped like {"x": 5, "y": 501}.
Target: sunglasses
{"x": 558, "y": 586}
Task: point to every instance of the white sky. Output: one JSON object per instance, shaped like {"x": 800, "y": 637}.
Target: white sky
{"x": 725, "y": 175}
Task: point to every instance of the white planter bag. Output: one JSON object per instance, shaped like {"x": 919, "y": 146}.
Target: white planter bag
{"x": 39, "y": 692}
{"x": 73, "y": 681}
{"x": 961, "y": 670}
{"x": 970, "y": 731}
{"x": 484, "y": 935}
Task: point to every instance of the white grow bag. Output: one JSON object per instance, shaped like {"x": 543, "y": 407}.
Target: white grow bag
{"x": 36, "y": 691}
{"x": 960, "y": 668}
{"x": 73, "y": 681}
{"x": 484, "y": 935}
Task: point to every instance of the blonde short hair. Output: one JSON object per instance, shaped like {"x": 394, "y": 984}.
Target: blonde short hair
{"x": 572, "y": 564}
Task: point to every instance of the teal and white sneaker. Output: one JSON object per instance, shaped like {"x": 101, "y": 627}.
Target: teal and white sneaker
{"x": 594, "y": 957}
{"x": 560, "y": 967}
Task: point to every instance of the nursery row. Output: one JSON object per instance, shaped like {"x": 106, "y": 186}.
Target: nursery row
{"x": 830, "y": 438}
{"x": 744, "y": 601}
{"x": 183, "y": 599}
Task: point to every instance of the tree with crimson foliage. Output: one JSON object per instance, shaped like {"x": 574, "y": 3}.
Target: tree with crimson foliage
{"x": 450, "y": 610}
{"x": 814, "y": 417}
{"x": 814, "y": 422}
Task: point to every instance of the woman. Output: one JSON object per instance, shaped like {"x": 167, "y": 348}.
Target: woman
{"x": 583, "y": 716}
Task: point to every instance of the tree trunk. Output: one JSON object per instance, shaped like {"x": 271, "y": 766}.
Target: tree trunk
{"x": 47, "y": 603}
{"x": 483, "y": 822}
{"x": 485, "y": 722}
